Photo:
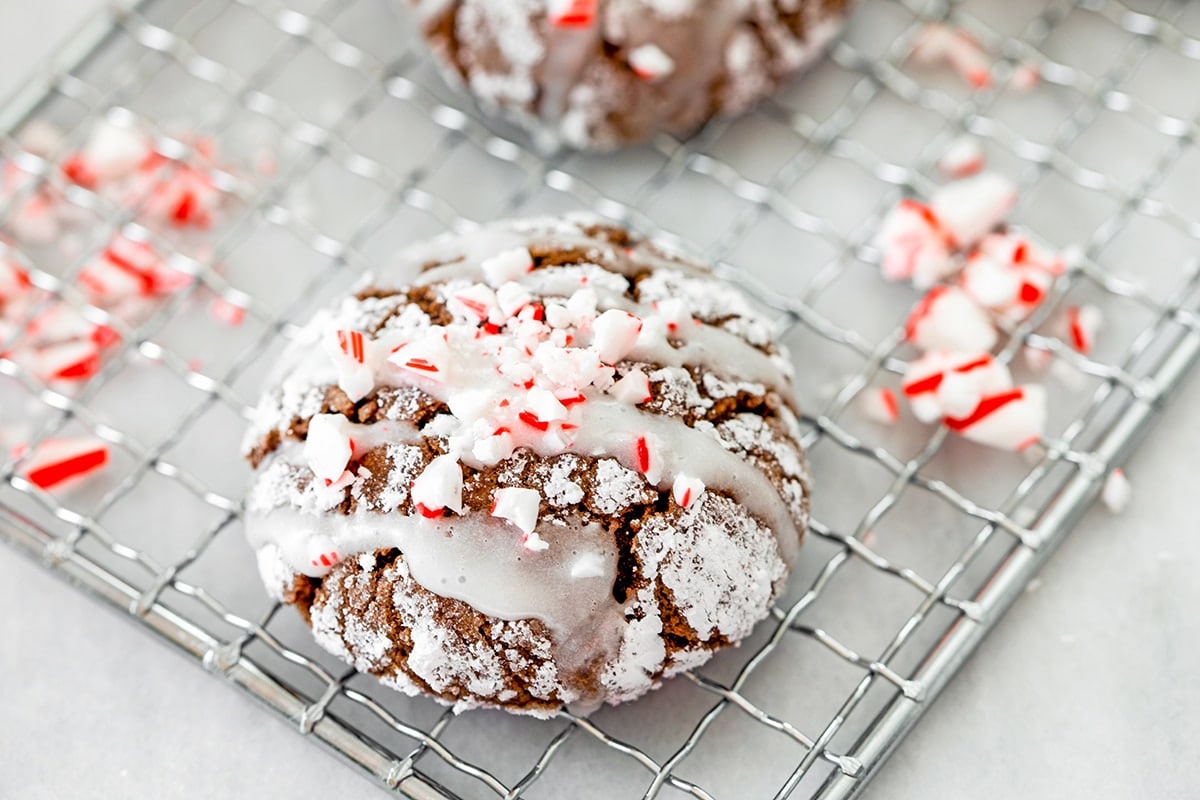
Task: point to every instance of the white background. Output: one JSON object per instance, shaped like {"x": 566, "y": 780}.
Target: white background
{"x": 1087, "y": 689}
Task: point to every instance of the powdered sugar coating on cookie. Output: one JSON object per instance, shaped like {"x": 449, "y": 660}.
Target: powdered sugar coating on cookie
{"x": 605, "y": 73}
{"x": 559, "y": 466}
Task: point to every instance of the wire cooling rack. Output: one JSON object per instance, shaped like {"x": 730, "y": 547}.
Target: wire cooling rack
{"x": 919, "y": 543}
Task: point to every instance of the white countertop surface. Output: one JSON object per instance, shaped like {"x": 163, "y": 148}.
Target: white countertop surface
{"x": 1087, "y": 689}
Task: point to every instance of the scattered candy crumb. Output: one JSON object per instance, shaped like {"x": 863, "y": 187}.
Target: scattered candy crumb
{"x": 57, "y": 461}
{"x": 880, "y": 406}
{"x": 964, "y": 157}
{"x": 1117, "y": 492}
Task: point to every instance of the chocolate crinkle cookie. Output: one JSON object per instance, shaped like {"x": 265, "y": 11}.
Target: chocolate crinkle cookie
{"x": 600, "y": 74}
{"x": 557, "y": 467}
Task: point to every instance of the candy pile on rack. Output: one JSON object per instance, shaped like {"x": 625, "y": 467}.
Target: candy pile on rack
{"x": 981, "y": 279}
{"x": 120, "y": 164}
{"x": 54, "y": 341}
{"x": 938, "y": 43}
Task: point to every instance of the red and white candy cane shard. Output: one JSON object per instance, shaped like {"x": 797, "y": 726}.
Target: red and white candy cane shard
{"x": 647, "y": 458}
{"x": 474, "y": 302}
{"x": 111, "y": 152}
{"x": 971, "y": 208}
{"x": 544, "y": 405}
{"x": 913, "y": 246}
{"x": 947, "y": 384}
{"x": 56, "y": 461}
{"x": 650, "y": 63}
{"x": 439, "y": 487}
{"x": 518, "y": 506}
{"x": 1012, "y": 420}
{"x": 59, "y": 322}
{"x": 880, "y": 406}
{"x": 962, "y": 158}
{"x": 493, "y": 449}
{"x": 327, "y": 446}
{"x": 428, "y": 357}
{"x": 14, "y": 281}
{"x": 76, "y": 360}
{"x": 1025, "y": 77}
{"x": 633, "y": 388}
{"x": 351, "y": 344}
{"x": 509, "y": 265}
{"x": 614, "y": 333}
{"x": 1117, "y": 492}
{"x": 227, "y": 312}
{"x": 686, "y": 490}
{"x": 941, "y": 43}
{"x": 572, "y": 13}
{"x": 948, "y": 319}
{"x": 1083, "y": 324}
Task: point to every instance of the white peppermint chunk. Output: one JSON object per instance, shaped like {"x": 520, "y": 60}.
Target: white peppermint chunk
{"x": 507, "y": 266}
{"x": 518, "y": 506}
{"x": 440, "y": 485}
{"x": 327, "y": 447}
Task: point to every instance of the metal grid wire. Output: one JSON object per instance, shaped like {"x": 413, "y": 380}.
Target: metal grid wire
{"x": 920, "y": 542}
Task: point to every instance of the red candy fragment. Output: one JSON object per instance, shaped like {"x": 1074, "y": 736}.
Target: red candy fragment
{"x": 55, "y": 461}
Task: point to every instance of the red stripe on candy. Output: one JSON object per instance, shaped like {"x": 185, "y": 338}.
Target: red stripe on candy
{"x": 643, "y": 454}
{"x": 986, "y": 407}
{"x": 532, "y": 421}
{"x": 55, "y": 473}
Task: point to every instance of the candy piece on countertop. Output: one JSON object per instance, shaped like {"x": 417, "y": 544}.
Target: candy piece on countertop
{"x": 1117, "y": 492}
{"x": 1012, "y": 420}
{"x": 55, "y": 461}
{"x": 948, "y": 319}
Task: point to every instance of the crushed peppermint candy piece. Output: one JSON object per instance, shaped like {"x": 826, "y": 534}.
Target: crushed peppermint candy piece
{"x": 1083, "y": 323}
{"x": 1012, "y": 420}
{"x": 633, "y": 388}
{"x": 428, "y": 357}
{"x": 327, "y": 447}
{"x": 439, "y": 487}
{"x": 650, "y": 63}
{"x": 948, "y": 319}
{"x": 572, "y": 13}
{"x": 969, "y": 209}
{"x": 913, "y": 246}
{"x": 111, "y": 152}
{"x": 322, "y": 556}
{"x": 75, "y": 360}
{"x": 614, "y": 334}
{"x": 879, "y": 405}
{"x": 1117, "y": 492}
{"x": 962, "y": 158}
{"x": 56, "y": 461}
{"x": 686, "y": 490}
{"x": 948, "y": 384}
{"x": 518, "y": 506}
{"x": 939, "y": 43}
{"x": 227, "y": 312}
{"x": 508, "y": 266}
